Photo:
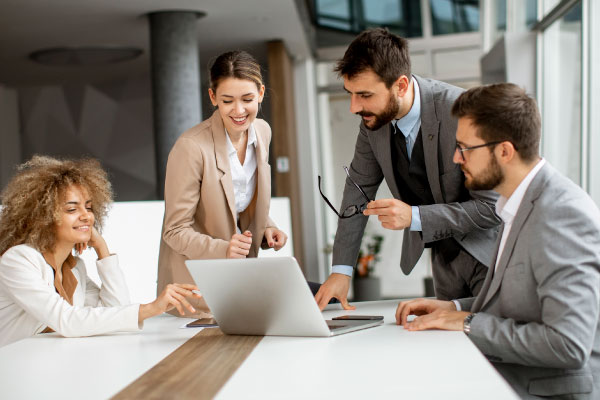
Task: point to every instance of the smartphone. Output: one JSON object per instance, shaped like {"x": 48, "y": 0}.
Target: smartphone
{"x": 203, "y": 323}
{"x": 360, "y": 317}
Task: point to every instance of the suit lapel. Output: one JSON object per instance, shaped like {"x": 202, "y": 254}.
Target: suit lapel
{"x": 220, "y": 141}
{"x": 430, "y": 129}
{"x": 533, "y": 192}
{"x": 488, "y": 277}
{"x": 382, "y": 140}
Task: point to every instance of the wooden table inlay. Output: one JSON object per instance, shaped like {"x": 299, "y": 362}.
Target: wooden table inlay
{"x": 196, "y": 370}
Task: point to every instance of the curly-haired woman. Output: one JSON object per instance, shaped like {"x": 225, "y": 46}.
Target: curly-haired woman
{"x": 50, "y": 208}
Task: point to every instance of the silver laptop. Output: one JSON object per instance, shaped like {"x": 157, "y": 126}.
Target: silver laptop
{"x": 264, "y": 296}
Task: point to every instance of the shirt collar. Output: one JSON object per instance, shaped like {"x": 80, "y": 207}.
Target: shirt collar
{"x": 251, "y": 140}
{"x": 507, "y": 208}
{"x": 407, "y": 123}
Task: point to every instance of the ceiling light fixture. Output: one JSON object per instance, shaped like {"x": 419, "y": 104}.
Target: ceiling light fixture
{"x": 85, "y": 56}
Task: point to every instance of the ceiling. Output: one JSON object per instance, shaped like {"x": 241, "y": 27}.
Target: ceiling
{"x": 29, "y": 25}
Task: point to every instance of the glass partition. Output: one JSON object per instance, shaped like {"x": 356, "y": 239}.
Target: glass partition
{"x": 561, "y": 83}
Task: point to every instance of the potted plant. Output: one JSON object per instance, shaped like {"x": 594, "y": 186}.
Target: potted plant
{"x": 367, "y": 286}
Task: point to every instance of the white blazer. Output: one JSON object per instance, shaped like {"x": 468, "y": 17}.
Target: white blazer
{"x": 29, "y": 302}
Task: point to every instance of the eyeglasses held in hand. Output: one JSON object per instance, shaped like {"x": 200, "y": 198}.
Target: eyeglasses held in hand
{"x": 350, "y": 211}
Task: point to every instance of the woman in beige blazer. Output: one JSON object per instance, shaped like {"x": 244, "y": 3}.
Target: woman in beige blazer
{"x": 218, "y": 180}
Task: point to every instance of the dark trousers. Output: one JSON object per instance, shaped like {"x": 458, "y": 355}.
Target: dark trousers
{"x": 457, "y": 277}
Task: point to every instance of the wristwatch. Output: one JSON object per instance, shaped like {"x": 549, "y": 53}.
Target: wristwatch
{"x": 467, "y": 323}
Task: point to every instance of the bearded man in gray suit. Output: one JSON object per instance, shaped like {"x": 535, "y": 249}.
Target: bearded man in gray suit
{"x": 537, "y": 315}
{"x": 407, "y": 137}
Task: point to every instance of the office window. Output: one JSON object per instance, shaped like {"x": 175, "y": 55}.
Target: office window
{"x": 548, "y": 5}
{"x": 593, "y": 85}
{"x": 402, "y": 17}
{"x": 334, "y": 14}
{"x": 454, "y": 16}
{"x": 561, "y": 82}
{"x": 500, "y": 14}
{"x": 530, "y": 12}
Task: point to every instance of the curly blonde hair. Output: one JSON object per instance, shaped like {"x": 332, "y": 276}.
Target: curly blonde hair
{"x": 32, "y": 199}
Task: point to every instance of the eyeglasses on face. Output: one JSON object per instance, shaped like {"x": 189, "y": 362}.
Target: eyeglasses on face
{"x": 461, "y": 149}
{"x": 352, "y": 210}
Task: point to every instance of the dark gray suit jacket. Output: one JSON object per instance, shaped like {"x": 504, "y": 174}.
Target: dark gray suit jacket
{"x": 537, "y": 315}
{"x": 469, "y": 217}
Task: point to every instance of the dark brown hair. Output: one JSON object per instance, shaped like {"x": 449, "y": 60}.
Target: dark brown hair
{"x": 503, "y": 112}
{"x": 235, "y": 64}
{"x": 32, "y": 199}
{"x": 378, "y": 50}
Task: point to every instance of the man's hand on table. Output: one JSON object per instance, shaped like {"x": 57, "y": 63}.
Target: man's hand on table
{"x": 337, "y": 285}
{"x": 431, "y": 314}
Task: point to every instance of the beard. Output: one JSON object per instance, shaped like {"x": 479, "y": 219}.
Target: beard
{"x": 490, "y": 178}
{"x": 390, "y": 112}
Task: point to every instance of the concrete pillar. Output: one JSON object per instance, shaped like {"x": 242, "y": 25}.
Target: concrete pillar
{"x": 175, "y": 81}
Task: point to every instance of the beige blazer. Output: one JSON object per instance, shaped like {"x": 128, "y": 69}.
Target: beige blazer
{"x": 200, "y": 204}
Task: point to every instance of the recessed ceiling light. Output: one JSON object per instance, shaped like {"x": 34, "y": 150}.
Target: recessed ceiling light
{"x": 85, "y": 56}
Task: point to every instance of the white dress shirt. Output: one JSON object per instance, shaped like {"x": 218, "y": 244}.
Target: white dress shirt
{"x": 507, "y": 208}
{"x": 29, "y": 302}
{"x": 243, "y": 176}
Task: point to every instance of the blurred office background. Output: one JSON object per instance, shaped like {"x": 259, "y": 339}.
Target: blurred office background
{"x": 78, "y": 78}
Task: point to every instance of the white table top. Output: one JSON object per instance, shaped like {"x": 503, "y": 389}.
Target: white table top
{"x": 96, "y": 367}
{"x": 380, "y": 362}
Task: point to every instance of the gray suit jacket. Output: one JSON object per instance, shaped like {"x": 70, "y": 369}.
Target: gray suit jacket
{"x": 469, "y": 217}
{"x": 537, "y": 315}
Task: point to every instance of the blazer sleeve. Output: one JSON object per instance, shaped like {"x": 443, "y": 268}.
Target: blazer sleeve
{"x": 113, "y": 291}
{"x": 21, "y": 276}
{"x": 367, "y": 173}
{"x": 182, "y": 194}
{"x": 268, "y": 134}
{"x": 440, "y": 221}
{"x": 565, "y": 262}
{"x": 467, "y": 303}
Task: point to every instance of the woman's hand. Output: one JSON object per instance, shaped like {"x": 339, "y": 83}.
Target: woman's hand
{"x": 96, "y": 242}
{"x": 276, "y": 239}
{"x": 173, "y": 296}
{"x": 239, "y": 245}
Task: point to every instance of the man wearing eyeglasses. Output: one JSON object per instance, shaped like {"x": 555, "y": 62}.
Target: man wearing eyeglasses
{"x": 537, "y": 315}
{"x": 407, "y": 138}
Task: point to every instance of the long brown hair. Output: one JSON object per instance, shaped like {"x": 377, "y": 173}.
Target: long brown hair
{"x": 235, "y": 64}
{"x": 32, "y": 199}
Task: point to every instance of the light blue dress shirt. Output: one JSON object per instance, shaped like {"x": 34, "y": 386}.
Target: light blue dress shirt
{"x": 409, "y": 125}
